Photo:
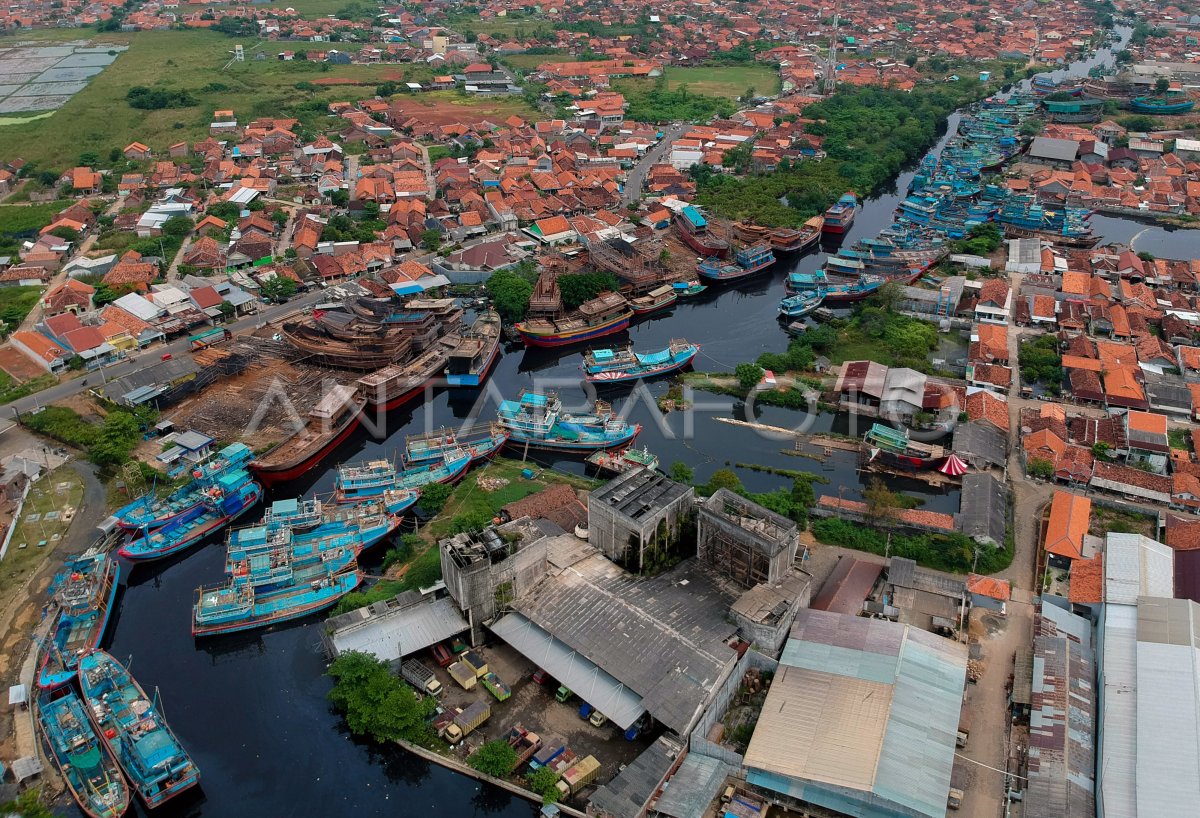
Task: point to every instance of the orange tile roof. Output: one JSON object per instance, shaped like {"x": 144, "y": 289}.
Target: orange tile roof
{"x": 1147, "y": 422}
{"x": 1067, "y": 525}
{"x": 989, "y": 586}
{"x": 1087, "y": 580}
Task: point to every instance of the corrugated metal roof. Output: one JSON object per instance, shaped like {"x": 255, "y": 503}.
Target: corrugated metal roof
{"x": 693, "y": 787}
{"x": 1118, "y": 718}
{"x": 616, "y": 701}
{"x": 633, "y": 787}
{"x": 403, "y": 631}
{"x": 1135, "y": 565}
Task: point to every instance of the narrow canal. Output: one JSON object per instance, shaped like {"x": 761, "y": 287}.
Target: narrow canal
{"x": 252, "y": 709}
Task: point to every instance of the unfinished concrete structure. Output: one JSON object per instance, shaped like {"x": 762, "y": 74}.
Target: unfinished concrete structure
{"x": 744, "y": 542}
{"x": 485, "y": 571}
{"x": 637, "y": 516}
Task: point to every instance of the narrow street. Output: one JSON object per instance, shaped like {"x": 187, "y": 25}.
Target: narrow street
{"x": 636, "y": 178}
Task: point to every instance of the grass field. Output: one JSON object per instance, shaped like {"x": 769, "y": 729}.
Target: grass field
{"x": 99, "y": 119}
{"x": 59, "y": 493}
{"x": 16, "y": 220}
{"x": 729, "y": 81}
{"x": 531, "y": 61}
{"x": 496, "y": 26}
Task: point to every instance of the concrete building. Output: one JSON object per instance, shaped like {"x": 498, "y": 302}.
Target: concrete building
{"x": 484, "y": 571}
{"x": 636, "y": 517}
{"x": 744, "y": 542}
{"x": 861, "y": 719}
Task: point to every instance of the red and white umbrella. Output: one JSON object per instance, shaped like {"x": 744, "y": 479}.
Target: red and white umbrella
{"x": 954, "y": 467}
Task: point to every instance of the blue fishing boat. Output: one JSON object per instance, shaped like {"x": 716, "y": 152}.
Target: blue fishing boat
{"x": 294, "y": 513}
{"x": 482, "y": 441}
{"x": 364, "y": 481}
{"x": 241, "y": 604}
{"x": 1174, "y": 102}
{"x": 798, "y": 306}
{"x": 148, "y": 511}
{"x": 85, "y": 762}
{"x": 840, "y": 214}
{"x": 608, "y": 366}
{"x": 129, "y": 721}
{"x": 84, "y": 593}
{"x": 537, "y": 421}
{"x": 746, "y": 262}
{"x": 359, "y": 529}
{"x": 685, "y": 289}
{"x": 192, "y": 527}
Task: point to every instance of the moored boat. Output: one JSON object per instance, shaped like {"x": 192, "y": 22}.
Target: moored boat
{"x": 152, "y": 758}
{"x": 604, "y": 315}
{"x": 1170, "y": 103}
{"x": 623, "y": 461}
{"x": 840, "y": 214}
{"x": 660, "y": 298}
{"x": 331, "y": 421}
{"x": 482, "y": 441}
{"x": 747, "y": 262}
{"x": 149, "y": 511}
{"x": 892, "y": 447}
{"x": 85, "y": 762}
{"x": 608, "y": 366}
{"x": 469, "y": 363}
{"x": 371, "y": 479}
{"x": 684, "y": 289}
{"x": 84, "y": 593}
{"x": 798, "y": 306}
{"x": 397, "y": 384}
{"x": 796, "y": 240}
{"x": 537, "y": 421}
{"x": 191, "y": 528}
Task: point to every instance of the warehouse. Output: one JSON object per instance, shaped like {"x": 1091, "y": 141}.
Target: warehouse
{"x": 861, "y": 718}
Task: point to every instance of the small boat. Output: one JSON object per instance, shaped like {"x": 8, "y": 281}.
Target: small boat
{"x": 331, "y": 421}
{"x": 747, "y": 262}
{"x": 85, "y": 762}
{"x": 478, "y": 348}
{"x": 793, "y": 240}
{"x": 192, "y": 527}
{"x": 623, "y": 461}
{"x": 840, "y": 214}
{"x": 623, "y": 364}
{"x": 239, "y": 606}
{"x": 798, "y": 306}
{"x": 369, "y": 480}
{"x": 148, "y": 511}
{"x": 398, "y": 383}
{"x": 865, "y": 287}
{"x": 685, "y": 289}
{"x": 154, "y": 761}
{"x": 537, "y": 421}
{"x": 604, "y": 315}
{"x": 84, "y": 593}
{"x": 657, "y": 299}
{"x": 892, "y": 447}
{"x": 694, "y": 229}
{"x": 482, "y": 441}
{"x": 296, "y": 514}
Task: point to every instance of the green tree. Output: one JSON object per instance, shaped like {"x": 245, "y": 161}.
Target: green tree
{"x": 434, "y": 497}
{"x": 375, "y": 702}
{"x": 543, "y": 781}
{"x": 431, "y": 240}
{"x": 28, "y": 805}
{"x": 227, "y": 310}
{"x": 1040, "y": 467}
{"x": 510, "y": 293}
{"x": 1161, "y": 86}
{"x": 88, "y": 159}
{"x": 682, "y": 473}
{"x": 882, "y": 503}
{"x": 576, "y": 288}
{"x": 748, "y": 375}
{"x": 495, "y": 758}
{"x": 371, "y": 211}
{"x": 1100, "y": 450}
{"x": 723, "y": 479}
{"x": 278, "y": 289}
{"x": 177, "y": 226}
{"x": 279, "y": 217}
{"x": 339, "y": 198}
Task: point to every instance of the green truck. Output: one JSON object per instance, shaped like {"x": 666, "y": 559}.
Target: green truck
{"x": 496, "y": 686}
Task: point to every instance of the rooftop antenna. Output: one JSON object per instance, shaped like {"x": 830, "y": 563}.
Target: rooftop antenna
{"x": 831, "y": 78}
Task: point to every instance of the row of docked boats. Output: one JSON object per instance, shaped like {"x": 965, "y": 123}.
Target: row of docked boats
{"x": 109, "y": 739}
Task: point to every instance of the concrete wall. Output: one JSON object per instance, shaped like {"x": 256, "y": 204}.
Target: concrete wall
{"x": 698, "y": 740}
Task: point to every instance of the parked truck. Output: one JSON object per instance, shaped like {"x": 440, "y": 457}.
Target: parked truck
{"x": 467, "y": 721}
{"x": 474, "y": 661}
{"x": 584, "y": 772}
{"x": 524, "y": 742}
{"x": 462, "y": 674}
{"x": 420, "y": 677}
{"x": 547, "y": 755}
{"x": 496, "y": 686}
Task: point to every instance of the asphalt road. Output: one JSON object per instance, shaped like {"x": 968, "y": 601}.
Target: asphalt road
{"x": 151, "y": 355}
{"x": 636, "y": 178}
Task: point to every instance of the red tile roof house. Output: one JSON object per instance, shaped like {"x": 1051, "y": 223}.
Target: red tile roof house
{"x": 71, "y": 296}
{"x": 995, "y": 302}
{"x": 1065, "y": 527}
{"x": 1131, "y": 482}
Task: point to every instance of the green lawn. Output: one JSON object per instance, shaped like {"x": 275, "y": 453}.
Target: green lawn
{"x": 18, "y": 219}
{"x": 11, "y": 389}
{"x": 496, "y": 26}
{"x": 531, "y": 61}
{"x": 16, "y": 302}
{"x": 730, "y": 81}
{"x": 99, "y": 119}
{"x": 60, "y": 493}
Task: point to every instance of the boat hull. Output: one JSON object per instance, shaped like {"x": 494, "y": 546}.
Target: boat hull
{"x": 195, "y": 536}
{"x": 279, "y": 617}
{"x": 625, "y": 376}
{"x": 272, "y": 475}
{"x": 94, "y": 807}
{"x": 50, "y": 680}
{"x": 469, "y": 380}
{"x": 578, "y": 337}
{"x": 575, "y": 446}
